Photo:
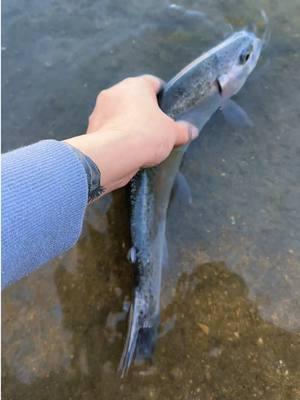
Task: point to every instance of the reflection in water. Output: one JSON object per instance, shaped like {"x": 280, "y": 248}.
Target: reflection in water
{"x": 230, "y": 329}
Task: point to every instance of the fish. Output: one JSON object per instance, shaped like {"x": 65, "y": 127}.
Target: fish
{"x": 193, "y": 95}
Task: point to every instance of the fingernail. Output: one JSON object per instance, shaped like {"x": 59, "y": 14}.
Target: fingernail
{"x": 193, "y": 132}
{"x": 162, "y": 85}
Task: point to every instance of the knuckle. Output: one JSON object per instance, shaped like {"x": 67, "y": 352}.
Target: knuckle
{"x": 137, "y": 81}
{"x": 99, "y": 97}
{"x": 91, "y": 117}
{"x": 129, "y": 81}
{"x": 146, "y": 80}
{"x": 102, "y": 95}
{"x": 152, "y": 81}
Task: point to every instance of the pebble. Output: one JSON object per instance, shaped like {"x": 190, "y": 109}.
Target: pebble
{"x": 152, "y": 393}
{"x": 107, "y": 367}
{"x": 207, "y": 375}
{"x": 232, "y": 219}
{"x": 204, "y": 328}
{"x": 176, "y": 373}
{"x": 216, "y": 352}
{"x": 118, "y": 291}
{"x": 148, "y": 372}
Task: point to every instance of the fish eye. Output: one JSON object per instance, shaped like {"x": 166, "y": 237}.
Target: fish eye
{"x": 245, "y": 55}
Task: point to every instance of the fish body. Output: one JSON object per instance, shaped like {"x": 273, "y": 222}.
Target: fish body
{"x": 194, "y": 94}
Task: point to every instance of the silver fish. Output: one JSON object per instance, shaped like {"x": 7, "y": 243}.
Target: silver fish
{"x": 194, "y": 94}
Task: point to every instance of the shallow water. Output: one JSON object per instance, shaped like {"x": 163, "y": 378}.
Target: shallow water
{"x": 231, "y": 298}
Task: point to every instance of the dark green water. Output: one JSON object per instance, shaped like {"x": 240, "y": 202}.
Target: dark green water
{"x": 231, "y": 297}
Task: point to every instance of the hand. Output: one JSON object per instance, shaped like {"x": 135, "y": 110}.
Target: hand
{"x": 127, "y": 131}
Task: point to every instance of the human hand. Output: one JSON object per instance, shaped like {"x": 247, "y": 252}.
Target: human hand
{"x": 127, "y": 131}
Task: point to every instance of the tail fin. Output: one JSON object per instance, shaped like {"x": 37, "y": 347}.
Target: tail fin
{"x": 131, "y": 341}
{"x": 140, "y": 340}
{"x": 146, "y": 342}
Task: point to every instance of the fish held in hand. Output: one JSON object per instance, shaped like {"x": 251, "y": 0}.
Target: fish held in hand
{"x": 194, "y": 95}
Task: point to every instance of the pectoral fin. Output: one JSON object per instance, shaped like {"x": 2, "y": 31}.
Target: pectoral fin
{"x": 104, "y": 203}
{"x": 131, "y": 255}
{"x": 236, "y": 115}
{"x": 181, "y": 190}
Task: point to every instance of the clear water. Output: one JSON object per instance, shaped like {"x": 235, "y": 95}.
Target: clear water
{"x": 231, "y": 297}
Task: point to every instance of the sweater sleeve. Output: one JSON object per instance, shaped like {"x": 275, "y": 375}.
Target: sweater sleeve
{"x": 44, "y": 196}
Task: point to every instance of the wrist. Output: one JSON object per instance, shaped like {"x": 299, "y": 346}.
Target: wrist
{"x": 116, "y": 155}
{"x": 93, "y": 175}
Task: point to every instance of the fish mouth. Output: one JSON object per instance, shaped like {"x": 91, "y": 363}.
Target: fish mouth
{"x": 258, "y": 45}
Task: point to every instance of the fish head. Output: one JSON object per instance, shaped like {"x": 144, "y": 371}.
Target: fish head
{"x": 236, "y": 57}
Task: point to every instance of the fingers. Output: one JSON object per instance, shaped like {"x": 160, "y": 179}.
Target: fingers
{"x": 155, "y": 83}
{"x": 186, "y": 132}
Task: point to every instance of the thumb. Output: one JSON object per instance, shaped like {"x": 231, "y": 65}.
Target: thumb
{"x": 186, "y": 132}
